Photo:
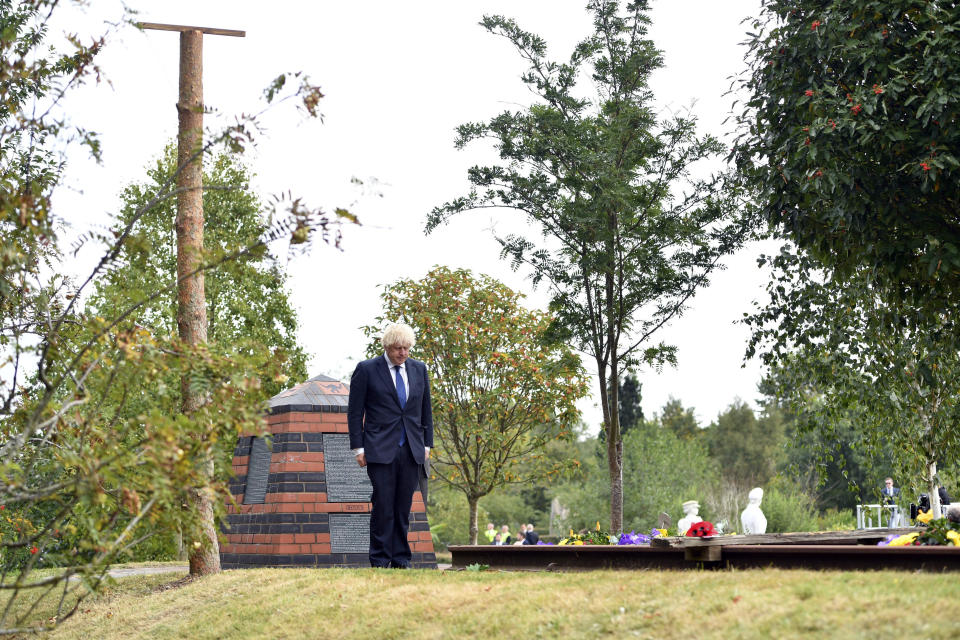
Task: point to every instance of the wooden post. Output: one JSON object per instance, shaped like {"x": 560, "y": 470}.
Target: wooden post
{"x": 191, "y": 296}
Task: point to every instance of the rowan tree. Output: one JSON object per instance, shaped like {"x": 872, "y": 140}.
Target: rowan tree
{"x": 628, "y": 233}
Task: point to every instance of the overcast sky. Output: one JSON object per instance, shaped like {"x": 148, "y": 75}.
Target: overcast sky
{"x": 398, "y": 78}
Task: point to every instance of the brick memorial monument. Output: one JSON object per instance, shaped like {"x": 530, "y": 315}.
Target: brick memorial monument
{"x": 305, "y": 502}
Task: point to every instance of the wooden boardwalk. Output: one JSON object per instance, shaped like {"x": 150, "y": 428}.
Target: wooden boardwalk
{"x": 837, "y": 550}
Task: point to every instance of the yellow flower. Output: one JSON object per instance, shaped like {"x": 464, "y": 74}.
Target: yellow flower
{"x": 578, "y": 542}
{"x": 663, "y": 532}
{"x": 598, "y": 525}
{"x": 564, "y": 541}
{"x": 904, "y": 540}
{"x": 925, "y": 517}
{"x": 954, "y": 538}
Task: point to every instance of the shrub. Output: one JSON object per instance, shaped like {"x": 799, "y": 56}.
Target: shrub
{"x": 788, "y": 509}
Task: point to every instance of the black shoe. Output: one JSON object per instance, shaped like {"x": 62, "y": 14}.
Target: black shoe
{"x": 401, "y": 565}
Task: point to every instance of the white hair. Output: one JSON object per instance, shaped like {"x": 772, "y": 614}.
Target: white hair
{"x": 398, "y": 334}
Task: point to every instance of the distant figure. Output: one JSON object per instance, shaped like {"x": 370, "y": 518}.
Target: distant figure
{"x": 497, "y": 540}
{"x": 944, "y": 496}
{"x": 889, "y": 492}
{"x": 691, "y": 516}
{"x": 752, "y": 519}
{"x": 490, "y": 532}
{"x": 531, "y": 537}
{"x": 505, "y": 534}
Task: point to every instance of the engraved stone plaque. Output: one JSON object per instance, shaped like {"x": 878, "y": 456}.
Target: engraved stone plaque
{"x": 349, "y": 533}
{"x": 346, "y": 480}
{"x": 257, "y": 472}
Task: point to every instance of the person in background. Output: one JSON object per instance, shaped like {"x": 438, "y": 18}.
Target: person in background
{"x": 531, "y": 536}
{"x": 490, "y": 532}
{"x": 521, "y": 535}
{"x": 891, "y": 495}
{"x": 889, "y": 492}
{"x": 505, "y": 534}
{"x": 944, "y": 496}
{"x": 497, "y": 540}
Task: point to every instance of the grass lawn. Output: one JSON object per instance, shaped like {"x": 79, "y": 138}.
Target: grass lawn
{"x": 349, "y": 603}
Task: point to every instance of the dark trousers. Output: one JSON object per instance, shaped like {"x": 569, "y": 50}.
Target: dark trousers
{"x": 393, "y": 487}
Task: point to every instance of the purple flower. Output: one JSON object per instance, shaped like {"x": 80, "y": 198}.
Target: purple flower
{"x": 633, "y": 538}
{"x": 541, "y": 542}
{"x": 887, "y": 540}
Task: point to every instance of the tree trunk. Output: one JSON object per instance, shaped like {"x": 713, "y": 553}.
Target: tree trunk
{"x": 611, "y": 426}
{"x": 191, "y": 303}
{"x": 474, "y": 514}
{"x": 612, "y": 414}
{"x": 932, "y": 488}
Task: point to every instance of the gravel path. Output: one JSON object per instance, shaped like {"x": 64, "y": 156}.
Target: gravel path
{"x": 145, "y": 571}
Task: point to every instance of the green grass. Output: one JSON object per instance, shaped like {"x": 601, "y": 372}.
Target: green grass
{"x": 341, "y": 603}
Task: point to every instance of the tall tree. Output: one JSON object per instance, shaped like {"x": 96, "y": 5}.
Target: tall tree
{"x": 501, "y": 391}
{"x": 849, "y": 137}
{"x": 629, "y": 236}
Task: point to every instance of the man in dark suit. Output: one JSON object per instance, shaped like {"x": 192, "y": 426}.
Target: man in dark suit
{"x": 891, "y": 496}
{"x": 889, "y": 492}
{"x": 531, "y": 537}
{"x": 391, "y": 433}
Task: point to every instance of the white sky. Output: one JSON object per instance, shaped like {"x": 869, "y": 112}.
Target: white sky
{"x": 398, "y": 78}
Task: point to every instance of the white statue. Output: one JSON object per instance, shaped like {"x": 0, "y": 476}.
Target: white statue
{"x": 691, "y": 509}
{"x": 752, "y": 518}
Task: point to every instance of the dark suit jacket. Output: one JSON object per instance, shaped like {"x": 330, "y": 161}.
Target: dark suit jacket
{"x": 891, "y": 496}
{"x": 531, "y": 537}
{"x": 374, "y": 415}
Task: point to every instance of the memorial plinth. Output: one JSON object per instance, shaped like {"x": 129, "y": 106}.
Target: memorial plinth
{"x": 301, "y": 498}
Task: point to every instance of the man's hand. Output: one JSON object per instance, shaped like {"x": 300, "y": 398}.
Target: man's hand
{"x": 361, "y": 459}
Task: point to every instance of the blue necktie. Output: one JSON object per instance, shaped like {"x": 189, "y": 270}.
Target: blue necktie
{"x": 402, "y": 397}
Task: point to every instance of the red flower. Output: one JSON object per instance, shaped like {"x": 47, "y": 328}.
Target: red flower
{"x": 2, "y": 507}
{"x": 832, "y": 124}
{"x": 819, "y": 173}
{"x": 807, "y": 141}
{"x": 701, "y": 529}
{"x": 808, "y": 93}
{"x": 849, "y": 98}
{"x": 814, "y": 25}
{"x": 877, "y": 89}
{"x": 856, "y": 109}
{"x": 806, "y": 128}
{"x": 884, "y": 33}
{"x": 925, "y": 166}
{"x": 33, "y": 549}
